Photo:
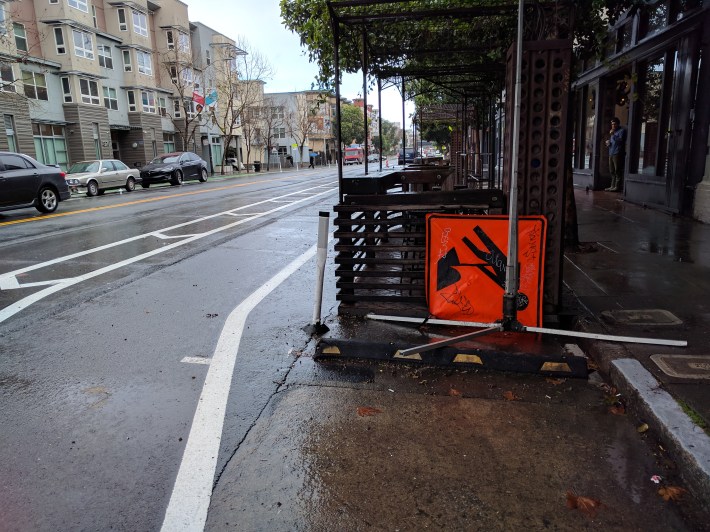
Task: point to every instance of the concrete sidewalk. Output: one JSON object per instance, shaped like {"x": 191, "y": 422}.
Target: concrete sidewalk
{"x": 644, "y": 273}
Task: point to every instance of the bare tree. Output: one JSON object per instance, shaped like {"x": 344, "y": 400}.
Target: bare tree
{"x": 303, "y": 120}
{"x": 272, "y": 120}
{"x": 187, "y": 114}
{"x": 252, "y": 128}
{"x": 240, "y": 73}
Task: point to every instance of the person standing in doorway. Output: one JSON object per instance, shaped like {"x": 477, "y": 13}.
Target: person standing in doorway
{"x": 617, "y": 153}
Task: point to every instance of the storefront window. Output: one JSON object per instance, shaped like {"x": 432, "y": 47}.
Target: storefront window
{"x": 589, "y": 119}
{"x": 50, "y": 144}
{"x": 650, "y": 111}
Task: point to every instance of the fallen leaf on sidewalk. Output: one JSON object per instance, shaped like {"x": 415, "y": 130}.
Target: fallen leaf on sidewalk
{"x": 453, "y": 392}
{"x": 671, "y": 493}
{"x": 642, "y": 428}
{"x": 364, "y": 411}
{"x": 617, "y": 409}
{"x": 510, "y": 396}
{"x": 585, "y": 505}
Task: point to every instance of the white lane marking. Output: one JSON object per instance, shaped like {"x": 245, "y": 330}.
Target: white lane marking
{"x": 196, "y": 360}
{"x": 607, "y": 247}
{"x": 190, "y": 499}
{"x": 25, "y": 302}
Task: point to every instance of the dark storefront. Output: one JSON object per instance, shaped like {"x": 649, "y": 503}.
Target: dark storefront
{"x": 654, "y": 80}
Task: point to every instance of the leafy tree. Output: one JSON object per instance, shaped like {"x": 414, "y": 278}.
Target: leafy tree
{"x": 390, "y": 137}
{"x": 352, "y": 124}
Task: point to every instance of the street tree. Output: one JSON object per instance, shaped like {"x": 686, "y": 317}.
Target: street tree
{"x": 272, "y": 125}
{"x": 302, "y": 120}
{"x": 239, "y": 72}
{"x": 351, "y": 129}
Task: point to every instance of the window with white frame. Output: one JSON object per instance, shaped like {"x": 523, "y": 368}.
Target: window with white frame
{"x": 122, "y": 24}
{"x": 83, "y": 44}
{"x": 53, "y": 1}
{"x": 183, "y": 42}
{"x": 127, "y": 67}
{"x": 177, "y": 109}
{"x": 168, "y": 142}
{"x": 35, "y": 85}
{"x": 173, "y": 74}
{"x": 170, "y": 39}
{"x": 277, "y": 112}
{"x": 66, "y": 90}
{"x": 89, "y": 91}
{"x": 93, "y": 16}
{"x": 105, "y": 58}
{"x": 10, "y": 132}
{"x": 110, "y": 99}
{"x": 20, "y": 36}
{"x": 148, "y": 101}
{"x": 145, "y": 64}
{"x": 208, "y": 59}
{"x": 7, "y": 79}
{"x": 162, "y": 107}
{"x": 140, "y": 23}
{"x": 279, "y": 132}
{"x": 81, "y": 5}
{"x": 131, "y": 96}
{"x": 59, "y": 41}
{"x": 187, "y": 76}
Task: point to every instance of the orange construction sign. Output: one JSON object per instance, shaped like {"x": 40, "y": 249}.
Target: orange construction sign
{"x": 466, "y": 267}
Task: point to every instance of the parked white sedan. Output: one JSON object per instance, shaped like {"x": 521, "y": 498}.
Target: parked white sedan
{"x": 98, "y": 176}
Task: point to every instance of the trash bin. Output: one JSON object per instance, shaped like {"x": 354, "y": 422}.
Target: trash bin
{"x": 257, "y": 166}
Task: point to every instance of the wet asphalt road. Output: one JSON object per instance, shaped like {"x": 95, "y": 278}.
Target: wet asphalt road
{"x": 104, "y": 358}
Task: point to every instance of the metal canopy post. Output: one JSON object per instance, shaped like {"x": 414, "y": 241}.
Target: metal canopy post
{"x": 338, "y": 115}
{"x": 364, "y": 90}
{"x": 404, "y": 128}
{"x": 379, "y": 117}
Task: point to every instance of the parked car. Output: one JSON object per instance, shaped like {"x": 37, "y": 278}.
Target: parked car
{"x": 408, "y": 158}
{"x": 25, "y": 182}
{"x": 373, "y": 158}
{"x": 98, "y": 176}
{"x": 174, "y": 167}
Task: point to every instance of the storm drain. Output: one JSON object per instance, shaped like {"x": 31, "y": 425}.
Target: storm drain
{"x": 652, "y": 316}
{"x": 684, "y": 366}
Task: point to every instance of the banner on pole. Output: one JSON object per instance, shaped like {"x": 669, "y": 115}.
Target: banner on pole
{"x": 466, "y": 261}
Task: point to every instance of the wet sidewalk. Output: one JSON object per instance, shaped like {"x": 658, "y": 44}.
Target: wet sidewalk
{"x": 644, "y": 273}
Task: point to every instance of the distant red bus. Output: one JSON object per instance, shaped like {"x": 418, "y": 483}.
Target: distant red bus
{"x": 354, "y": 156}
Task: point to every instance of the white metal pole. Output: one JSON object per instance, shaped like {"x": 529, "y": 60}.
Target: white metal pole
{"x": 321, "y": 255}
{"x": 511, "y": 276}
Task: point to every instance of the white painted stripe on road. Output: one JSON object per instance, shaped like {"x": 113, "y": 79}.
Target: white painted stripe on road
{"x": 25, "y": 302}
{"x": 190, "y": 499}
{"x": 196, "y": 360}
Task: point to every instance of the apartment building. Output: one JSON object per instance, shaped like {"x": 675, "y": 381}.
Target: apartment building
{"x": 83, "y": 79}
{"x": 307, "y": 120}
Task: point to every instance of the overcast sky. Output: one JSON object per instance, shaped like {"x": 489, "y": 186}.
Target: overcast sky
{"x": 259, "y": 22}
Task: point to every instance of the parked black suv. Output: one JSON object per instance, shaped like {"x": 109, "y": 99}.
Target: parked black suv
{"x": 174, "y": 167}
{"x": 25, "y": 182}
{"x": 409, "y": 158}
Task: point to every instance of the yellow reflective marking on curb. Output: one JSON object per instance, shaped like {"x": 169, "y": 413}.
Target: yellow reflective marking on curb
{"x": 556, "y": 366}
{"x": 137, "y": 202}
{"x": 331, "y": 350}
{"x": 468, "y": 359}
{"x": 413, "y": 356}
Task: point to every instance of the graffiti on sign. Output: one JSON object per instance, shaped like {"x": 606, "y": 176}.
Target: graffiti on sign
{"x": 466, "y": 266}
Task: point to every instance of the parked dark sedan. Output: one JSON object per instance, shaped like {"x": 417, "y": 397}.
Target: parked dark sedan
{"x": 25, "y": 182}
{"x": 174, "y": 167}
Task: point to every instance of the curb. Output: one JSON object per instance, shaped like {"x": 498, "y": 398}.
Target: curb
{"x": 690, "y": 444}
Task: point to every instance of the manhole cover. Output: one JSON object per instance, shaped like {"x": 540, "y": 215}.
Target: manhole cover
{"x": 653, "y": 316}
{"x": 684, "y": 366}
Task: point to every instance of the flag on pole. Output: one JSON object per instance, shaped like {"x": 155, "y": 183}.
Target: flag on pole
{"x": 198, "y": 98}
{"x": 211, "y": 98}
